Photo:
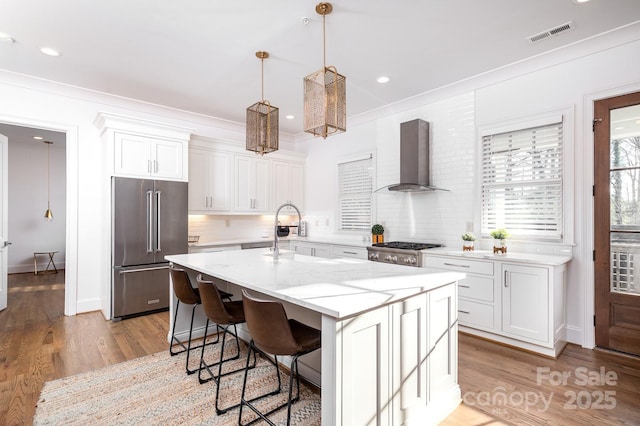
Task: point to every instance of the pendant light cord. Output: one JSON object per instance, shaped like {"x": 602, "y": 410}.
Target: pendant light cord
{"x": 48, "y": 174}
{"x": 324, "y": 43}
{"x": 262, "y": 74}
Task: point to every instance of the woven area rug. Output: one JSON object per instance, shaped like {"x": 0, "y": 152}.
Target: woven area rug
{"x": 155, "y": 389}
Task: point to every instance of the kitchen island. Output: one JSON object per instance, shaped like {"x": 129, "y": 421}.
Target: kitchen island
{"x": 389, "y": 332}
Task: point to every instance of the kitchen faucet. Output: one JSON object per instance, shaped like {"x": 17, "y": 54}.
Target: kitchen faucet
{"x": 276, "y": 250}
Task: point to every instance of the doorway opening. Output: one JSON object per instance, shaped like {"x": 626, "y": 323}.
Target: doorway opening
{"x": 68, "y": 217}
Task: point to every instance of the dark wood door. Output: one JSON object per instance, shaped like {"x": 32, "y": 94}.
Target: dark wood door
{"x": 617, "y": 222}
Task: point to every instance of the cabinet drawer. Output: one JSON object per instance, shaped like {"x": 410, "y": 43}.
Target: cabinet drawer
{"x": 474, "y": 314}
{"x": 476, "y": 287}
{"x": 348, "y": 251}
{"x": 459, "y": 264}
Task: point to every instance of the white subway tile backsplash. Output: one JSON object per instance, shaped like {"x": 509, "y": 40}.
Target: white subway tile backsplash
{"x": 440, "y": 216}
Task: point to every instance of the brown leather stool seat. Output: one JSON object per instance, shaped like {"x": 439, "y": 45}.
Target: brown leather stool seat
{"x": 225, "y": 315}
{"x": 273, "y": 333}
{"x": 185, "y": 293}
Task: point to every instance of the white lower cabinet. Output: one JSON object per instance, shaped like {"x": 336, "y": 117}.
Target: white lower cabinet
{"x": 525, "y": 302}
{"x": 521, "y": 305}
{"x": 310, "y": 249}
{"x": 402, "y": 361}
{"x": 349, "y": 251}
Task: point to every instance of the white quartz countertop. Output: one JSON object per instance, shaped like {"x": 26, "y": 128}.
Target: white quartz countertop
{"x": 518, "y": 257}
{"x": 335, "y": 241}
{"x": 335, "y": 287}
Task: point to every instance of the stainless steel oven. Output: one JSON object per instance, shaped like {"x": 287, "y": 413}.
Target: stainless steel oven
{"x": 399, "y": 252}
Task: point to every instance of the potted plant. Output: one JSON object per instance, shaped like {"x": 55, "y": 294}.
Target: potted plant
{"x": 377, "y": 232}
{"x": 499, "y": 237}
{"x": 468, "y": 239}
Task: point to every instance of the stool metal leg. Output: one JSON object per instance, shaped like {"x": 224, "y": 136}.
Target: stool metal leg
{"x": 217, "y": 377}
{"x": 187, "y": 348}
{"x": 290, "y": 400}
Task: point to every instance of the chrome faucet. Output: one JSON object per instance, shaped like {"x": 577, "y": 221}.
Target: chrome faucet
{"x": 276, "y": 250}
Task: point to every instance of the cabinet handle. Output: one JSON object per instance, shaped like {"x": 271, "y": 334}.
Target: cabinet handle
{"x": 457, "y": 265}
{"x": 349, "y": 252}
{"x": 464, "y": 286}
{"x": 506, "y": 284}
{"x": 463, "y": 312}
{"x": 155, "y": 166}
{"x": 149, "y": 166}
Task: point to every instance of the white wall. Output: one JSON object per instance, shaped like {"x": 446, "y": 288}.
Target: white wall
{"x": 37, "y": 103}
{"x": 562, "y": 81}
{"x": 28, "y": 230}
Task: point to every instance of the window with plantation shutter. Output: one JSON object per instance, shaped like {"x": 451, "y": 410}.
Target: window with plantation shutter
{"x": 355, "y": 189}
{"x": 522, "y": 182}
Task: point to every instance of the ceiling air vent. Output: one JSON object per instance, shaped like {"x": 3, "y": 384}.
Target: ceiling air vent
{"x": 551, "y": 32}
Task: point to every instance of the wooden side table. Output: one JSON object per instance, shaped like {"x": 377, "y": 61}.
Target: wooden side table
{"x": 51, "y": 262}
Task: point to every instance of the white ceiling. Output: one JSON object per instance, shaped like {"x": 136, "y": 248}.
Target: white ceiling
{"x": 199, "y": 55}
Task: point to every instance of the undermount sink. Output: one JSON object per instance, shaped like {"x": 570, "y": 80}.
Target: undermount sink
{"x": 285, "y": 254}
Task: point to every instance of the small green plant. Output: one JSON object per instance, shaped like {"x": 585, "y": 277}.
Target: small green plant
{"x": 500, "y": 234}
{"x": 377, "y": 229}
{"x": 468, "y": 236}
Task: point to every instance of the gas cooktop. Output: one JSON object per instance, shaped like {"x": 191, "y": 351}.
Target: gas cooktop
{"x": 399, "y": 252}
{"x": 406, "y": 246}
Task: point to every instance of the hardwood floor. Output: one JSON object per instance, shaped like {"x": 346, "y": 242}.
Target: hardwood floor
{"x": 503, "y": 385}
{"x": 38, "y": 343}
{"x": 500, "y": 385}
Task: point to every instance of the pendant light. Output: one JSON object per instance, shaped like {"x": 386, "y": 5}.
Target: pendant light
{"x": 48, "y": 215}
{"x": 262, "y": 121}
{"x": 325, "y": 93}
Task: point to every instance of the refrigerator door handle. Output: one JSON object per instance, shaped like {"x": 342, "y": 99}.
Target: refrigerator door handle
{"x": 149, "y": 221}
{"x": 158, "y": 222}
{"x": 128, "y": 271}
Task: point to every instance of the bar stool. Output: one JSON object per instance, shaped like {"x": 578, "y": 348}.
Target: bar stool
{"x": 190, "y": 296}
{"x": 273, "y": 333}
{"x": 225, "y": 315}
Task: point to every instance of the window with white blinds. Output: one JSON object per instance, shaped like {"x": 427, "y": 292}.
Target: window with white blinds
{"x": 522, "y": 182}
{"x": 355, "y": 189}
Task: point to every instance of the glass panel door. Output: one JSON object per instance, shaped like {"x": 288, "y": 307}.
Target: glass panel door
{"x": 625, "y": 199}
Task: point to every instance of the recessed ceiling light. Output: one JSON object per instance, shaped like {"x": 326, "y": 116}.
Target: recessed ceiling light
{"x": 6, "y": 38}
{"x": 49, "y": 51}
{"x": 290, "y": 117}
{"x": 38, "y": 138}
{"x": 383, "y": 79}
{"x": 580, "y": 1}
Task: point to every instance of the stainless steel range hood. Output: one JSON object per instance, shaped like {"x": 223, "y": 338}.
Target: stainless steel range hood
{"x": 414, "y": 159}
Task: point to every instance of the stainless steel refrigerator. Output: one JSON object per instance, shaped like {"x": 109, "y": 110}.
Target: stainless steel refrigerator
{"x": 149, "y": 222}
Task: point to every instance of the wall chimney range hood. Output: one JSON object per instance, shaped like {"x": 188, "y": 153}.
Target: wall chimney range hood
{"x": 414, "y": 159}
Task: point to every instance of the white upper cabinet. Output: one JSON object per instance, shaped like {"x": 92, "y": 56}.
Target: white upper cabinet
{"x": 138, "y": 156}
{"x": 144, "y": 149}
{"x": 210, "y": 181}
{"x": 287, "y": 185}
{"x": 226, "y": 179}
{"x": 251, "y": 184}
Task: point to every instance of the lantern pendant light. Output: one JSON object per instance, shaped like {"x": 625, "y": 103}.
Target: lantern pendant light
{"x": 325, "y": 93}
{"x": 48, "y": 215}
{"x": 262, "y": 121}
